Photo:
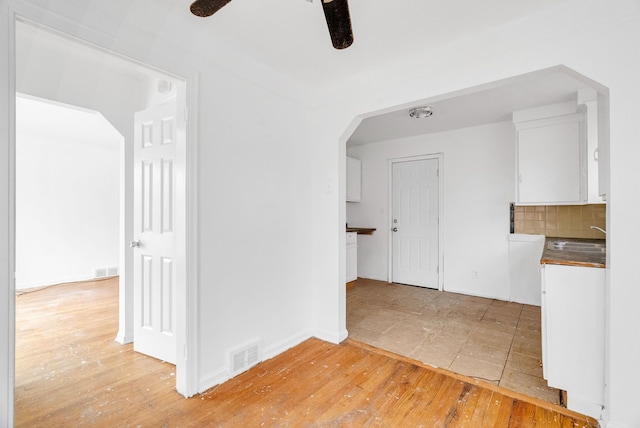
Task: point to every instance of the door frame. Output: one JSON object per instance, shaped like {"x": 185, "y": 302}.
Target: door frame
{"x": 440, "y": 158}
{"x": 187, "y": 367}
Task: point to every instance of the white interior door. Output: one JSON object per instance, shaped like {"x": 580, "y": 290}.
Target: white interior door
{"x": 154, "y": 266}
{"x": 415, "y": 229}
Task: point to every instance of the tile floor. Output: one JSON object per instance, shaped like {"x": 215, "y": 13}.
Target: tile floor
{"x": 492, "y": 340}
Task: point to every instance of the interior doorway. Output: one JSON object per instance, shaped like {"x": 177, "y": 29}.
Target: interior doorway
{"x": 67, "y": 194}
{"x": 67, "y": 70}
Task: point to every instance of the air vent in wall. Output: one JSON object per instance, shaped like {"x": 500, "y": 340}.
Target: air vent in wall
{"x": 243, "y": 358}
{"x": 105, "y": 272}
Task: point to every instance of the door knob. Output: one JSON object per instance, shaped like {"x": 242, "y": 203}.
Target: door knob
{"x": 135, "y": 244}
{"x": 395, "y": 229}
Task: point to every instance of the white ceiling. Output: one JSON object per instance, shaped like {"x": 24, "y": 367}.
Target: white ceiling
{"x": 45, "y": 119}
{"x": 45, "y": 47}
{"x": 291, "y": 35}
{"x": 494, "y": 102}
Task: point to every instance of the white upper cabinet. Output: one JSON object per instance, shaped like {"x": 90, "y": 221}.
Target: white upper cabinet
{"x": 354, "y": 169}
{"x": 603, "y": 145}
{"x": 595, "y": 145}
{"x": 551, "y": 167}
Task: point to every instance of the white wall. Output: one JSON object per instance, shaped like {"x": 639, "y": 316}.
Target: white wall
{"x": 478, "y": 172}
{"x": 593, "y": 37}
{"x": 7, "y": 183}
{"x": 254, "y": 204}
{"x": 254, "y": 228}
{"x": 67, "y": 194}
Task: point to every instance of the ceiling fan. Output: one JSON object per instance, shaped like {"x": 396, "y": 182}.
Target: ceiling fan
{"x": 336, "y": 13}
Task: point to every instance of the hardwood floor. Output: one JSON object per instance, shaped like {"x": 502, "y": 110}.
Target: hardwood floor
{"x": 70, "y": 372}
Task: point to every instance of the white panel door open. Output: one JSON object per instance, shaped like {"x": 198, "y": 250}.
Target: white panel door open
{"x": 154, "y": 267}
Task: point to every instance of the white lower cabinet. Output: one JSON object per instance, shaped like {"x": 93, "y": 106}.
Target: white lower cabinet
{"x": 573, "y": 326}
{"x": 352, "y": 256}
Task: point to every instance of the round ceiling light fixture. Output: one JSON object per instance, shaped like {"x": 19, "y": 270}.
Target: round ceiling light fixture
{"x": 421, "y": 112}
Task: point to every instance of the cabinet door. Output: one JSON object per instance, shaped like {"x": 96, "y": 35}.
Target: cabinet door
{"x": 593, "y": 152}
{"x": 603, "y": 146}
{"x": 573, "y": 336}
{"x": 551, "y": 162}
{"x": 352, "y": 256}
{"x": 353, "y": 179}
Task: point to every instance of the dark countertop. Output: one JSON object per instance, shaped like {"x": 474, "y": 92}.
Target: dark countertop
{"x": 573, "y": 258}
{"x": 361, "y": 230}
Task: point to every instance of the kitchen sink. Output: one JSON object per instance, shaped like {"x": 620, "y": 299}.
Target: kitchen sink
{"x": 581, "y": 247}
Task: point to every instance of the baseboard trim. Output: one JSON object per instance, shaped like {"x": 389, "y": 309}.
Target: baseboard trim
{"x": 123, "y": 338}
{"x": 278, "y": 348}
{"x": 213, "y": 379}
{"x": 34, "y": 287}
{"x": 222, "y": 375}
{"x": 331, "y": 337}
{"x": 470, "y": 293}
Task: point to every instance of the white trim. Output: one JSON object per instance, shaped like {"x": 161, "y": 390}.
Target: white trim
{"x": 222, "y": 375}
{"x": 125, "y": 256}
{"x": 586, "y": 407}
{"x": 187, "y": 366}
{"x": 212, "y": 379}
{"x": 187, "y": 382}
{"x": 59, "y": 281}
{"x": 440, "y": 158}
{"x": 123, "y": 337}
{"x": 281, "y": 346}
{"x": 330, "y": 336}
{"x": 7, "y": 219}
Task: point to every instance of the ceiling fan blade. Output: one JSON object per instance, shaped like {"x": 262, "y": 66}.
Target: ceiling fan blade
{"x": 206, "y": 8}
{"x": 336, "y": 12}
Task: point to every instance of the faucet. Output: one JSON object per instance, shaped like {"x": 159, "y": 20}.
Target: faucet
{"x": 597, "y": 228}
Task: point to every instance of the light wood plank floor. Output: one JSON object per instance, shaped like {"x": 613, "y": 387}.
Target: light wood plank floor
{"x": 70, "y": 372}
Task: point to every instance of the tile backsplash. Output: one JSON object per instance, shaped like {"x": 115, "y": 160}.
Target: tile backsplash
{"x": 567, "y": 221}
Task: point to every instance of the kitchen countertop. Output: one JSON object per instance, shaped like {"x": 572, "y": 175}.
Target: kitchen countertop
{"x": 361, "y": 230}
{"x": 573, "y": 258}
